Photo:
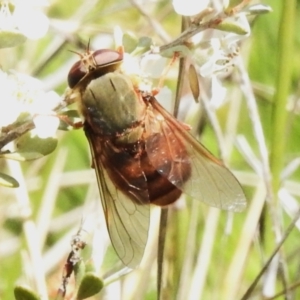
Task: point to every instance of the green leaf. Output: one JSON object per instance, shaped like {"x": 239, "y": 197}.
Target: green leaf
{"x": 230, "y": 25}
{"x": 30, "y": 146}
{"x": 145, "y": 42}
{"x": 181, "y": 50}
{"x": 233, "y": 3}
{"x": 79, "y": 272}
{"x": 11, "y": 38}
{"x": 194, "y": 83}
{"x": 144, "y": 45}
{"x": 24, "y": 293}
{"x": 8, "y": 181}
{"x": 89, "y": 266}
{"x": 129, "y": 42}
{"x": 89, "y": 286}
{"x": 22, "y": 156}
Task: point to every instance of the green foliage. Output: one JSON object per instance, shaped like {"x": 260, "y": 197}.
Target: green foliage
{"x": 8, "y": 181}
{"x": 89, "y": 286}
{"x": 11, "y": 39}
{"x": 24, "y": 293}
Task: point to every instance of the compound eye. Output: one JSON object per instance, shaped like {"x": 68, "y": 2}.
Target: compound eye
{"x": 106, "y": 57}
{"x": 91, "y": 61}
{"x": 76, "y": 73}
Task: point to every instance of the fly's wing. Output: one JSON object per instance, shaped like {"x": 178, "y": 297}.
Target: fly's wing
{"x": 127, "y": 220}
{"x": 208, "y": 179}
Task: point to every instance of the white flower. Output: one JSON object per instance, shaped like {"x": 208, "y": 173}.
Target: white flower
{"x": 31, "y": 21}
{"x": 146, "y": 66}
{"x": 131, "y": 65}
{"x": 27, "y": 18}
{"x": 190, "y": 7}
{"x": 44, "y": 119}
{"x": 222, "y": 48}
{"x": 219, "y": 54}
{"x": 218, "y": 92}
{"x": 9, "y": 107}
{"x": 194, "y": 7}
{"x": 220, "y": 58}
{"x": 6, "y": 19}
{"x": 153, "y": 65}
{"x": 24, "y": 94}
{"x": 143, "y": 70}
{"x": 215, "y": 55}
{"x": 45, "y": 126}
{"x": 222, "y": 52}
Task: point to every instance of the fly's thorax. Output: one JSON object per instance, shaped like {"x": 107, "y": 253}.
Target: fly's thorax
{"x": 111, "y": 105}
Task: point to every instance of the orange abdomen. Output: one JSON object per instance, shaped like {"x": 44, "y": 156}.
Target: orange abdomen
{"x": 130, "y": 169}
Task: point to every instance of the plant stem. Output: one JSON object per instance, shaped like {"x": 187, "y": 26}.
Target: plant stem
{"x": 282, "y": 84}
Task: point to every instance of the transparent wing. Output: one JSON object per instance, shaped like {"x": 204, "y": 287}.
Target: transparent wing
{"x": 127, "y": 220}
{"x": 189, "y": 165}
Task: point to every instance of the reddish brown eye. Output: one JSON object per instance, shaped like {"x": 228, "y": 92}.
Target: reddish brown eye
{"x": 93, "y": 61}
{"x": 76, "y": 73}
{"x": 105, "y": 57}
